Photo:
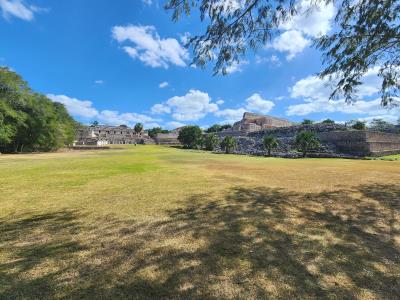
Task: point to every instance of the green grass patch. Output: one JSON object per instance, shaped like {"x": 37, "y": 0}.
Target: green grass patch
{"x": 152, "y": 222}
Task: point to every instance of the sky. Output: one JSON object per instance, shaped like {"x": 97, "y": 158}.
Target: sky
{"x": 125, "y": 63}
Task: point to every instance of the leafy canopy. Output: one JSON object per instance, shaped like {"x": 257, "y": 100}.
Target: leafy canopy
{"x": 210, "y": 141}
{"x": 270, "y": 142}
{"x": 229, "y": 144}
{"x": 190, "y": 137}
{"x": 306, "y": 140}
{"x": 366, "y": 35}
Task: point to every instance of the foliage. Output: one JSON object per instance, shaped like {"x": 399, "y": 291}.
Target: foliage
{"x": 210, "y": 141}
{"x": 138, "y": 127}
{"x": 328, "y": 121}
{"x": 190, "y": 137}
{"x": 270, "y": 142}
{"x": 307, "y": 122}
{"x": 306, "y": 140}
{"x": 218, "y": 128}
{"x": 29, "y": 121}
{"x": 94, "y": 124}
{"x": 156, "y": 130}
{"x": 366, "y": 35}
{"x": 381, "y": 125}
{"x": 229, "y": 144}
{"x": 359, "y": 125}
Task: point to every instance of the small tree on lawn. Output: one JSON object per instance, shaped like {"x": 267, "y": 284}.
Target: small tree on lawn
{"x": 229, "y": 144}
{"x": 138, "y": 127}
{"x": 306, "y": 140}
{"x": 270, "y": 142}
{"x": 190, "y": 137}
{"x": 210, "y": 141}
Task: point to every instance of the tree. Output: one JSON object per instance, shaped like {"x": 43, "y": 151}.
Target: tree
{"x": 156, "y": 130}
{"x": 307, "y": 122}
{"x": 214, "y": 128}
{"x": 270, "y": 142}
{"x": 328, "y": 121}
{"x": 226, "y": 126}
{"x": 190, "y": 137}
{"x": 30, "y": 121}
{"x": 138, "y": 127}
{"x": 94, "y": 124}
{"x": 306, "y": 140}
{"x": 229, "y": 144}
{"x": 366, "y": 35}
{"x": 359, "y": 125}
{"x": 381, "y": 125}
{"x": 210, "y": 141}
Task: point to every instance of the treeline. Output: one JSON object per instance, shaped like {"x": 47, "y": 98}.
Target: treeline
{"x": 30, "y": 121}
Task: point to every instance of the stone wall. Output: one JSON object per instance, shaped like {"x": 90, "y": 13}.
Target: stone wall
{"x": 167, "y": 138}
{"x": 363, "y": 143}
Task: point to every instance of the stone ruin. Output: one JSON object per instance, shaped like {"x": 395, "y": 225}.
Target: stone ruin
{"x": 110, "y": 135}
{"x": 336, "y": 140}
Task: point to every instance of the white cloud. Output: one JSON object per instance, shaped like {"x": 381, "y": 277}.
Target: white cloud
{"x": 85, "y": 109}
{"x": 174, "y": 124}
{"x": 312, "y": 20}
{"x": 231, "y": 113}
{"x": 220, "y": 102}
{"x": 149, "y": 48}
{"x": 79, "y": 108}
{"x": 147, "y": 2}
{"x": 360, "y": 107}
{"x": 99, "y": 81}
{"x": 190, "y": 107}
{"x": 256, "y": 103}
{"x": 18, "y": 9}
{"x": 315, "y": 88}
{"x": 160, "y": 109}
{"x": 236, "y": 66}
{"x": 291, "y": 41}
{"x": 273, "y": 60}
{"x": 163, "y": 85}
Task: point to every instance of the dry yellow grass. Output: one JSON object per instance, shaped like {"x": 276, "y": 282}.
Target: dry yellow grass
{"x": 152, "y": 222}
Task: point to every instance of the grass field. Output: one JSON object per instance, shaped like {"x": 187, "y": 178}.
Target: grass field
{"x": 152, "y": 222}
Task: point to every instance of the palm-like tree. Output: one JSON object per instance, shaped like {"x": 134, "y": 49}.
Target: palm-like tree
{"x": 229, "y": 144}
{"x": 306, "y": 140}
{"x": 270, "y": 142}
{"x": 138, "y": 127}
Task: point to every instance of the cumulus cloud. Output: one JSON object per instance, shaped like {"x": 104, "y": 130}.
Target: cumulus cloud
{"x": 163, "y": 85}
{"x": 314, "y": 87}
{"x": 18, "y": 9}
{"x": 292, "y": 42}
{"x": 174, "y": 124}
{"x": 236, "y": 66}
{"x": 256, "y": 103}
{"x": 311, "y": 21}
{"x": 316, "y": 92}
{"x": 79, "y": 108}
{"x": 149, "y": 48}
{"x": 99, "y": 81}
{"x": 232, "y": 114}
{"x": 85, "y": 109}
{"x": 190, "y": 107}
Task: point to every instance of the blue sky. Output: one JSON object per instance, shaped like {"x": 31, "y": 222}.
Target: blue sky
{"x": 125, "y": 63}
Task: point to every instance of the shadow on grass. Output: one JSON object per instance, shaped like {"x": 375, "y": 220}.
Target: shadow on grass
{"x": 254, "y": 243}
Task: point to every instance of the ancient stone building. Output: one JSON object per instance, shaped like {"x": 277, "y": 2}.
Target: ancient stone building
{"x": 108, "y": 135}
{"x": 170, "y": 138}
{"x": 254, "y": 122}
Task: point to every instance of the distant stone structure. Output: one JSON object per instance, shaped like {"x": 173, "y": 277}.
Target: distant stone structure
{"x": 336, "y": 140}
{"x": 254, "y": 122}
{"x": 108, "y": 135}
{"x": 170, "y": 138}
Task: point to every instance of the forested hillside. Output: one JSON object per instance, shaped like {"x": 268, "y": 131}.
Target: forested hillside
{"x": 30, "y": 121}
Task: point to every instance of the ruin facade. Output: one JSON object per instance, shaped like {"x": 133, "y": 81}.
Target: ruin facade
{"x": 110, "y": 135}
{"x": 254, "y": 122}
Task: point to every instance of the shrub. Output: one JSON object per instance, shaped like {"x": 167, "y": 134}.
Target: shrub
{"x": 190, "y": 137}
{"x": 307, "y": 122}
{"x": 210, "y": 142}
{"x": 328, "y": 121}
{"x": 138, "y": 127}
{"x": 229, "y": 144}
{"x": 358, "y": 125}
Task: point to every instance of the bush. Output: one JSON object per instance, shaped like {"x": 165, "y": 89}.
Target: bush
{"x": 307, "y": 122}
{"x": 328, "y": 121}
{"x": 210, "y": 141}
{"x": 229, "y": 144}
{"x": 190, "y": 137}
{"x": 358, "y": 125}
